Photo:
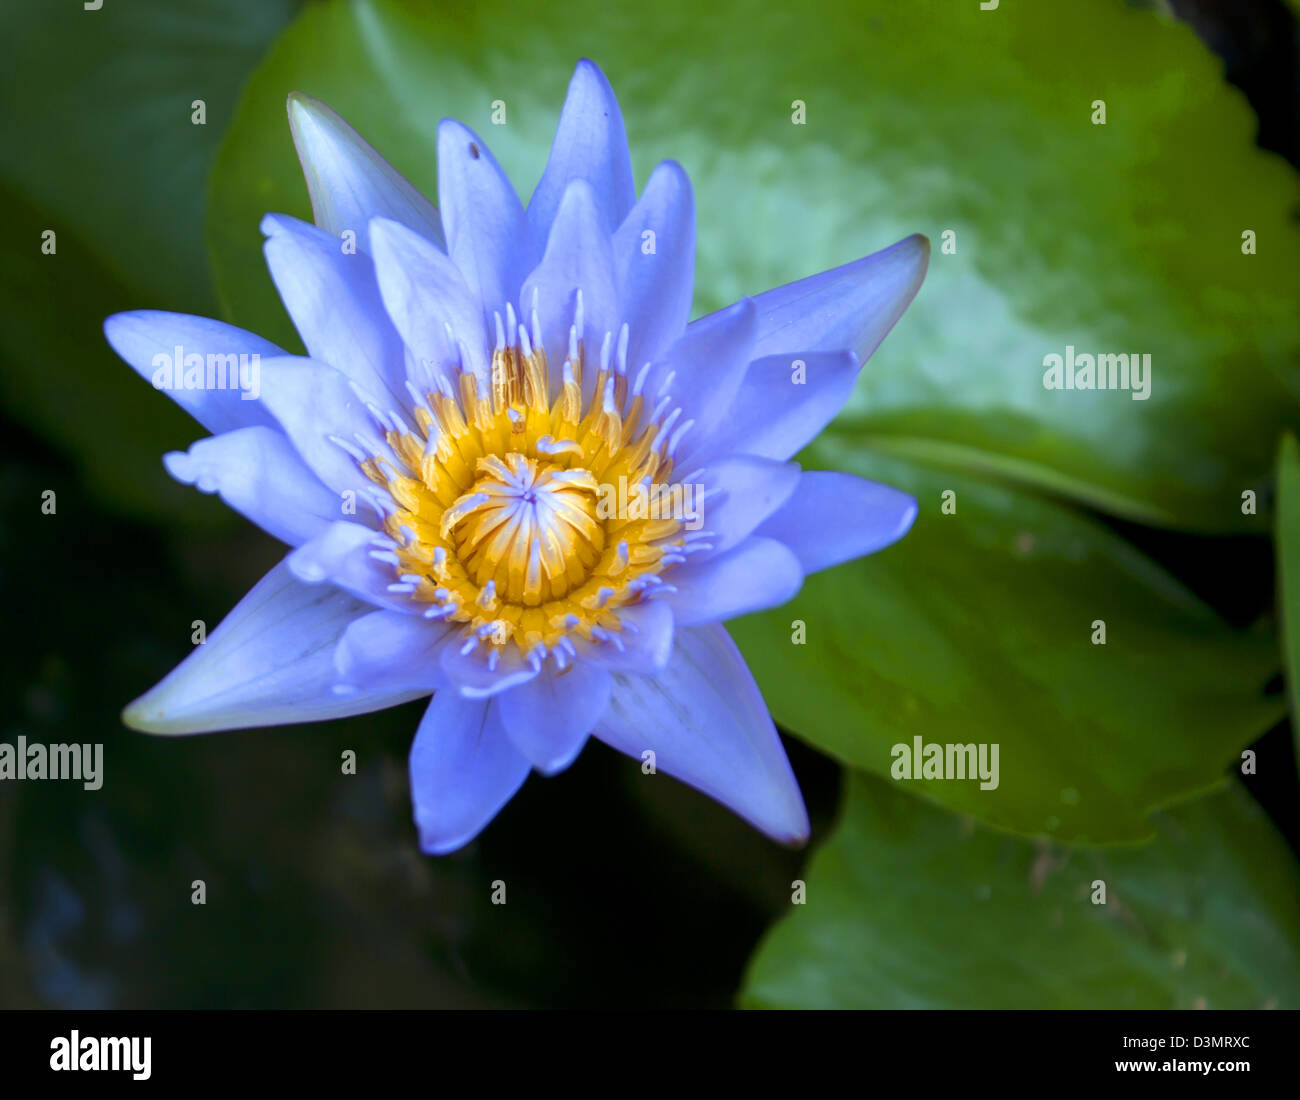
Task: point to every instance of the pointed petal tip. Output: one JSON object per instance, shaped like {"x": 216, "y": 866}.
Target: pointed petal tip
{"x": 914, "y": 251}
{"x": 307, "y": 113}
{"x": 384, "y": 234}
{"x": 273, "y": 224}
{"x": 590, "y": 142}
{"x": 148, "y": 714}
{"x": 796, "y": 837}
{"x": 120, "y": 327}
{"x": 852, "y": 306}
{"x": 117, "y": 331}
{"x": 587, "y": 71}
{"x": 310, "y": 125}
{"x": 162, "y": 711}
{"x": 393, "y": 239}
{"x": 670, "y": 183}
{"x": 586, "y": 65}
{"x": 347, "y": 179}
{"x": 300, "y": 105}
{"x": 907, "y": 518}
{"x": 451, "y": 129}
{"x": 456, "y": 139}
{"x": 135, "y": 715}
{"x": 301, "y": 102}
{"x": 432, "y": 844}
{"x": 789, "y": 825}
{"x": 904, "y": 509}
{"x": 673, "y": 168}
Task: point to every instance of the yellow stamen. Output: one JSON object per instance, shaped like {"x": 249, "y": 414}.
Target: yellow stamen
{"x": 502, "y": 503}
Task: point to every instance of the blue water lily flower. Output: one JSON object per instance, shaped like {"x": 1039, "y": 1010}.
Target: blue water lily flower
{"x": 512, "y": 475}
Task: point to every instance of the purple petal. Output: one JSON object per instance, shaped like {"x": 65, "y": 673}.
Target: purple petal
{"x": 578, "y": 258}
{"x": 707, "y": 365}
{"x": 775, "y": 415}
{"x": 757, "y": 574}
{"x": 270, "y": 662}
{"x": 260, "y": 475}
{"x": 644, "y": 643}
{"x": 315, "y": 405}
{"x": 150, "y": 340}
{"x": 487, "y": 233}
{"x": 590, "y": 144}
{"x": 463, "y": 770}
{"x": 656, "y": 285}
{"x": 707, "y": 725}
{"x": 424, "y": 294}
{"x": 833, "y": 517}
{"x": 334, "y": 302}
{"x": 851, "y": 307}
{"x": 349, "y": 183}
{"x": 391, "y": 650}
{"x": 341, "y": 554}
{"x": 739, "y": 493}
{"x": 549, "y": 717}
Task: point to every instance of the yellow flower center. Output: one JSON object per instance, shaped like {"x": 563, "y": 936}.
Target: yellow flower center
{"x": 500, "y": 523}
{"x": 528, "y": 527}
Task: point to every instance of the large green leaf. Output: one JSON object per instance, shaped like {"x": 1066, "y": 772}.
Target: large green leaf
{"x": 979, "y": 626}
{"x": 931, "y": 115}
{"x": 910, "y": 907}
{"x": 103, "y": 152}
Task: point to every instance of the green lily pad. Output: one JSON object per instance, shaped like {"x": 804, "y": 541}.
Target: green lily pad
{"x": 979, "y": 627}
{"x": 1121, "y": 238}
{"x": 910, "y": 907}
